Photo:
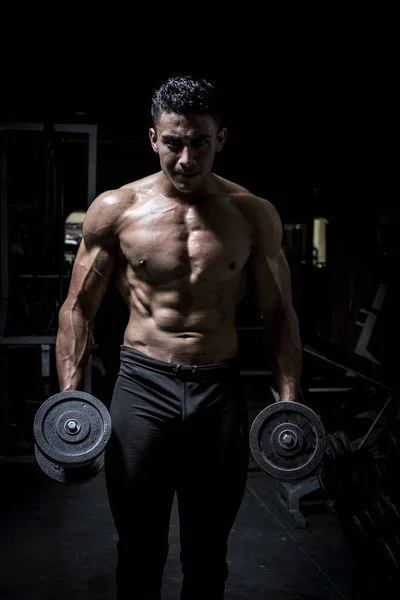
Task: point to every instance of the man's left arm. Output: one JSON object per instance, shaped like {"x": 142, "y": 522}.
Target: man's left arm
{"x": 271, "y": 281}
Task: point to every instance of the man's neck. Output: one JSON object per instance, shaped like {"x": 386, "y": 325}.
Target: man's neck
{"x": 207, "y": 187}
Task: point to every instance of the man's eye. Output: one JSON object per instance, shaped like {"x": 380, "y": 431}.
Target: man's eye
{"x": 173, "y": 143}
{"x": 200, "y": 143}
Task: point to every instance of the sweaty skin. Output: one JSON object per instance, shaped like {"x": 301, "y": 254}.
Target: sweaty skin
{"x": 182, "y": 268}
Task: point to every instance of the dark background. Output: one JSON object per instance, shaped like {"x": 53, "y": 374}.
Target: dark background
{"x": 311, "y": 127}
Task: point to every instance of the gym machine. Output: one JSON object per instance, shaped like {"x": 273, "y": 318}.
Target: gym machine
{"x": 52, "y": 187}
{"x": 358, "y": 366}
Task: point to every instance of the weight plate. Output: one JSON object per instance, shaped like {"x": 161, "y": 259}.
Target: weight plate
{"x": 287, "y": 440}
{"x": 72, "y": 428}
{"x": 69, "y": 475}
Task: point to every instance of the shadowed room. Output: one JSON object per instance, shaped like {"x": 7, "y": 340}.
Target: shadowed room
{"x": 199, "y": 391}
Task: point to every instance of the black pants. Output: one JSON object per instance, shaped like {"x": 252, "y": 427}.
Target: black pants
{"x": 184, "y": 430}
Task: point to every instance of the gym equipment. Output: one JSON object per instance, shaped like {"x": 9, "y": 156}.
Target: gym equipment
{"x": 374, "y": 530}
{"x": 358, "y": 370}
{"x": 71, "y": 431}
{"x": 367, "y": 509}
{"x": 287, "y": 440}
{"x": 352, "y": 363}
{"x": 32, "y": 216}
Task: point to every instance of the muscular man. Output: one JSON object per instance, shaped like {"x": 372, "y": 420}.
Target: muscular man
{"x": 182, "y": 244}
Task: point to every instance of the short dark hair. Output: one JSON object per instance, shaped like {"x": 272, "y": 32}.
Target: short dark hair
{"x": 184, "y": 95}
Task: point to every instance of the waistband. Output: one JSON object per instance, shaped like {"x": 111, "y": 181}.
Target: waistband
{"x": 139, "y": 358}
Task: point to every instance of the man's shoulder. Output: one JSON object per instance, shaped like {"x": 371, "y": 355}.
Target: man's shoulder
{"x": 260, "y": 213}
{"x": 107, "y": 209}
{"x": 230, "y": 188}
{"x": 105, "y": 212}
{"x": 253, "y": 207}
{"x": 265, "y": 221}
{"x": 142, "y": 185}
{"x": 107, "y": 206}
{"x": 115, "y": 200}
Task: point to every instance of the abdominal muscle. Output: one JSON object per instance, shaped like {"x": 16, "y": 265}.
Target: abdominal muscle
{"x": 182, "y": 273}
{"x": 202, "y": 331}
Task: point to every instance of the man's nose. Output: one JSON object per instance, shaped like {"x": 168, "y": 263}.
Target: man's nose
{"x": 187, "y": 157}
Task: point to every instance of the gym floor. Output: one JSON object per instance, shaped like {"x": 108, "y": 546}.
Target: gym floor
{"x": 58, "y": 542}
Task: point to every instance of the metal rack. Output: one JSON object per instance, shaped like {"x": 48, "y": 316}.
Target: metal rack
{"x": 46, "y": 343}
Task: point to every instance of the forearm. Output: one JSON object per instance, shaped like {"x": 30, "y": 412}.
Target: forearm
{"x": 73, "y": 347}
{"x": 285, "y": 352}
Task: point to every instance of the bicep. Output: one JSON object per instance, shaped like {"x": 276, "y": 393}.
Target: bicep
{"x": 93, "y": 267}
{"x": 268, "y": 268}
{"x": 270, "y": 277}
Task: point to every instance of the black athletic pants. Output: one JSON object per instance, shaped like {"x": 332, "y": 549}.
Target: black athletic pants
{"x": 176, "y": 429}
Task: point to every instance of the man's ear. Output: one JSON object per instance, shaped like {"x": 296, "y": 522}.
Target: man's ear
{"x": 153, "y": 139}
{"x": 221, "y": 138}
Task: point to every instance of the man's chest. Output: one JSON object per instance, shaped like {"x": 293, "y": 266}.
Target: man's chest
{"x": 187, "y": 244}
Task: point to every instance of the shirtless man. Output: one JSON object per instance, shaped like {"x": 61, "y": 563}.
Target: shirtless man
{"x": 182, "y": 244}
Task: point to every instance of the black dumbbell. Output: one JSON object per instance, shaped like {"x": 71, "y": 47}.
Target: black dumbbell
{"x": 71, "y": 431}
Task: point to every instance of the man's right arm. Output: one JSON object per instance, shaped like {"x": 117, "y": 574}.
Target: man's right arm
{"x": 91, "y": 273}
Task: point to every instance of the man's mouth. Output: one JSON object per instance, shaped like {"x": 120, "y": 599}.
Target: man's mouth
{"x": 187, "y": 175}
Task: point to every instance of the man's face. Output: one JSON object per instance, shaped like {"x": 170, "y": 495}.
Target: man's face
{"x": 186, "y": 145}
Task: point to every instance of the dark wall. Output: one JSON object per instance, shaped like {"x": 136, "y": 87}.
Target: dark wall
{"x": 291, "y": 131}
